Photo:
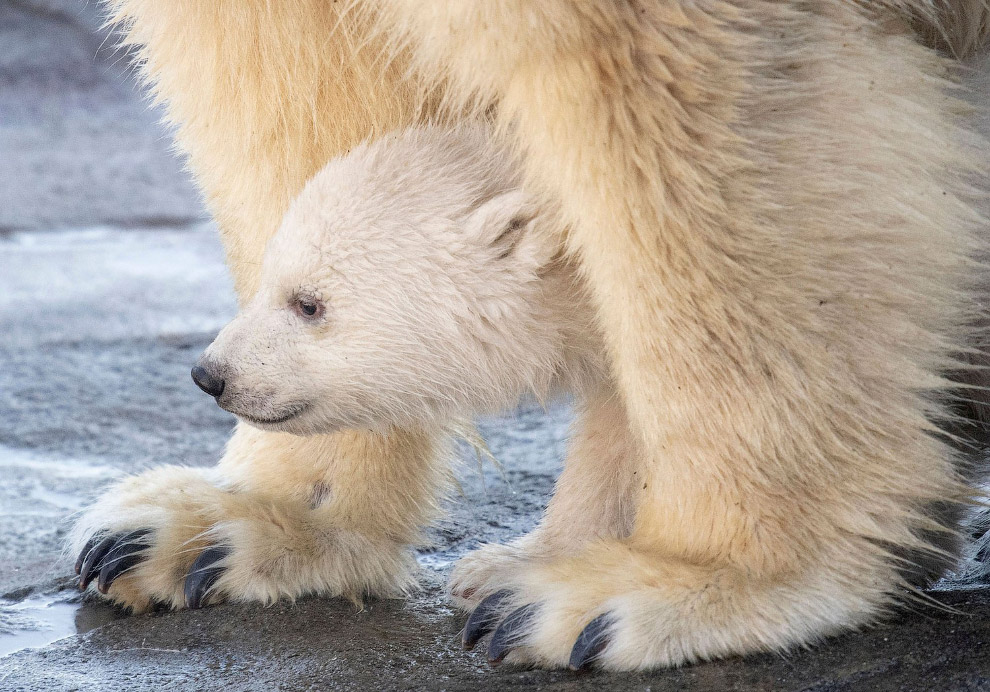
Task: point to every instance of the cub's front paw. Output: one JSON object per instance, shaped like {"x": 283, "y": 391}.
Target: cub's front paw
{"x": 146, "y": 541}
{"x": 105, "y": 558}
{"x": 177, "y": 538}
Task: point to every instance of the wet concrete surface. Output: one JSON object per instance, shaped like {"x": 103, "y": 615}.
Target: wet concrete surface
{"x": 99, "y": 325}
{"x": 99, "y": 329}
{"x": 394, "y": 645}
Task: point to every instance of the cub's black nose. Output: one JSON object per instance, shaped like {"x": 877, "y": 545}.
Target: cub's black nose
{"x": 206, "y": 381}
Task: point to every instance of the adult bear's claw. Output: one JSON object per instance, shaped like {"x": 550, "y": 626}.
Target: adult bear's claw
{"x": 590, "y": 643}
{"x": 203, "y": 575}
{"x": 484, "y": 618}
{"x": 509, "y": 633}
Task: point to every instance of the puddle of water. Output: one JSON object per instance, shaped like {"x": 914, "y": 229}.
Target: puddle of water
{"x": 43, "y": 618}
{"x": 35, "y": 621}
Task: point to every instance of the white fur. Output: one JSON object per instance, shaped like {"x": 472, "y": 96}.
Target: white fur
{"x": 770, "y": 204}
{"x": 444, "y": 295}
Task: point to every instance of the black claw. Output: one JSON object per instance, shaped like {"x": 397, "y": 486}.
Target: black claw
{"x": 126, "y": 552}
{"x": 203, "y": 575}
{"x": 590, "y": 643}
{"x": 91, "y": 564}
{"x": 159, "y": 606}
{"x": 509, "y": 633}
{"x": 87, "y": 549}
{"x": 484, "y": 618}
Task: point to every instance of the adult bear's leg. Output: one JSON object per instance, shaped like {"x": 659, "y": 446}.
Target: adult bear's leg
{"x": 769, "y": 203}
{"x": 262, "y": 94}
{"x": 594, "y": 499}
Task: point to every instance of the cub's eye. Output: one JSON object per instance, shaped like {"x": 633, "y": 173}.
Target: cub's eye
{"x": 308, "y": 308}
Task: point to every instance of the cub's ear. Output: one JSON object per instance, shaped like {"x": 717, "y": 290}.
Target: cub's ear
{"x": 507, "y": 225}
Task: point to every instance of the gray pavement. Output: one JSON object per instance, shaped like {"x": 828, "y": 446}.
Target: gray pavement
{"x": 110, "y": 285}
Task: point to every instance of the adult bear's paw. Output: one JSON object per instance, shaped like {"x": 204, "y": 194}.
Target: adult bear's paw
{"x": 513, "y": 590}
{"x": 544, "y": 619}
{"x": 513, "y": 629}
{"x": 618, "y": 607}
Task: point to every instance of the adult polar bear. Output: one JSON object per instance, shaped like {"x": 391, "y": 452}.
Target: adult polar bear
{"x": 768, "y": 201}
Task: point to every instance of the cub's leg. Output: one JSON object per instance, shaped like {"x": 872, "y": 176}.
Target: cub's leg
{"x": 769, "y": 203}
{"x": 262, "y": 94}
{"x": 262, "y": 525}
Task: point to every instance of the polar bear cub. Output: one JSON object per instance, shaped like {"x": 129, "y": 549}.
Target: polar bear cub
{"x": 411, "y": 281}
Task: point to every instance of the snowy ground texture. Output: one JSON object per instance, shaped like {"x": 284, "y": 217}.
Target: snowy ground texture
{"x": 111, "y": 282}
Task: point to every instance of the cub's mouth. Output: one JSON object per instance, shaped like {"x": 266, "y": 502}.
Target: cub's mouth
{"x": 273, "y": 420}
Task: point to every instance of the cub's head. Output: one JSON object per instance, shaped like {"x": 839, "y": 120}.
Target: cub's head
{"x": 409, "y": 281}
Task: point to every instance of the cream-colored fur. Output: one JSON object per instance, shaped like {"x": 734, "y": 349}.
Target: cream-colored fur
{"x": 769, "y": 203}
{"x": 442, "y": 293}
{"x": 289, "y": 530}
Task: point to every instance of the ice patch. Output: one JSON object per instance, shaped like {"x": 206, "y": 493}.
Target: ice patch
{"x": 437, "y": 561}
{"x": 105, "y": 283}
{"x": 22, "y": 459}
{"x": 38, "y": 498}
{"x": 38, "y": 486}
